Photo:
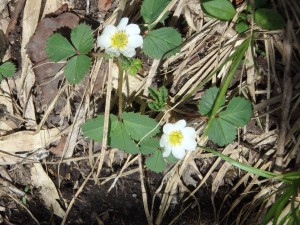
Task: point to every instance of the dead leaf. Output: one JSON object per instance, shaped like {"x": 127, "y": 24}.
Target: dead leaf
{"x": 104, "y": 5}
{"x": 48, "y": 191}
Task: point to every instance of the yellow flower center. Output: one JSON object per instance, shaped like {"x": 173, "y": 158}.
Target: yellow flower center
{"x": 119, "y": 39}
{"x": 175, "y": 138}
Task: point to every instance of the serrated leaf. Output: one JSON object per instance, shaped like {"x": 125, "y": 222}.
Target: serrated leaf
{"x": 220, "y": 9}
{"x": 162, "y": 43}
{"x": 154, "y": 93}
{"x": 93, "y": 128}
{"x": 156, "y": 162}
{"x": 207, "y": 101}
{"x": 82, "y": 38}
{"x": 238, "y": 112}
{"x": 268, "y": 19}
{"x": 7, "y": 69}
{"x": 138, "y": 126}
{"x": 149, "y": 146}
{"x": 120, "y": 139}
{"x": 76, "y": 68}
{"x": 221, "y": 132}
{"x": 151, "y": 10}
{"x": 163, "y": 95}
{"x": 59, "y": 48}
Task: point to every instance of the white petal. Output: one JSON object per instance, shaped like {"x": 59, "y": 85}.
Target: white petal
{"x": 109, "y": 30}
{"x": 163, "y": 140}
{"x": 132, "y": 29}
{"x": 180, "y": 124}
{"x": 189, "y": 144}
{"x": 167, "y": 151}
{"x": 168, "y": 127}
{"x": 103, "y": 41}
{"x": 128, "y": 51}
{"x": 189, "y": 132}
{"x": 112, "y": 51}
{"x": 135, "y": 41}
{"x": 178, "y": 152}
{"x": 123, "y": 23}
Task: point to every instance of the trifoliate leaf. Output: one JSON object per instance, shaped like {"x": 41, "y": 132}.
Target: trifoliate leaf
{"x": 120, "y": 139}
{"x": 238, "y": 112}
{"x": 76, "y": 68}
{"x": 156, "y": 162}
{"x": 160, "y": 97}
{"x": 82, "y": 38}
{"x": 149, "y": 146}
{"x": 138, "y": 126}
{"x": 93, "y": 128}
{"x": 162, "y": 43}
{"x": 59, "y": 48}
{"x": 207, "y": 101}
{"x": 7, "y": 69}
{"x": 220, "y": 9}
{"x": 151, "y": 10}
{"x": 221, "y": 132}
{"x": 268, "y": 19}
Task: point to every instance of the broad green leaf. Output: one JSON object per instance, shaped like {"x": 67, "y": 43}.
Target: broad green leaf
{"x": 82, "y": 38}
{"x": 156, "y": 162}
{"x": 221, "y": 132}
{"x": 151, "y": 9}
{"x": 59, "y": 48}
{"x": 268, "y": 19}
{"x": 162, "y": 43}
{"x": 220, "y": 9}
{"x": 241, "y": 27}
{"x": 7, "y": 69}
{"x": 257, "y": 4}
{"x": 149, "y": 146}
{"x": 76, "y": 68}
{"x": 93, "y": 128}
{"x": 238, "y": 112}
{"x": 138, "y": 126}
{"x": 207, "y": 101}
{"x": 120, "y": 139}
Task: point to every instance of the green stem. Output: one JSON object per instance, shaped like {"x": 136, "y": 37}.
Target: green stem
{"x": 237, "y": 58}
{"x": 120, "y": 93}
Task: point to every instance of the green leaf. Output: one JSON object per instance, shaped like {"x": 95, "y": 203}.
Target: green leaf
{"x": 138, "y": 126}
{"x": 268, "y": 19}
{"x": 238, "y": 112}
{"x": 156, "y": 162}
{"x": 7, "y": 69}
{"x": 207, "y": 101}
{"x": 241, "y": 27}
{"x": 76, "y": 68}
{"x": 162, "y": 43}
{"x": 221, "y": 132}
{"x": 151, "y": 9}
{"x": 257, "y": 4}
{"x": 82, "y": 38}
{"x": 220, "y": 9}
{"x": 160, "y": 97}
{"x": 149, "y": 146}
{"x": 93, "y": 128}
{"x": 59, "y": 48}
{"x": 120, "y": 139}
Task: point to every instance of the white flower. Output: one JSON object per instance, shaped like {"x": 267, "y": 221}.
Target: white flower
{"x": 121, "y": 39}
{"x": 178, "y": 138}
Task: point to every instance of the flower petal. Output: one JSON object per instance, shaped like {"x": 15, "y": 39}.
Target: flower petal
{"x": 128, "y": 51}
{"x": 180, "y": 124}
{"x": 109, "y": 30}
{"x": 135, "y": 41}
{"x": 167, "y": 151}
{"x": 122, "y": 24}
{"x": 163, "y": 140}
{"x": 189, "y": 132}
{"x": 112, "y": 51}
{"x": 168, "y": 127}
{"x": 103, "y": 41}
{"x": 132, "y": 29}
{"x": 189, "y": 144}
{"x": 178, "y": 151}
